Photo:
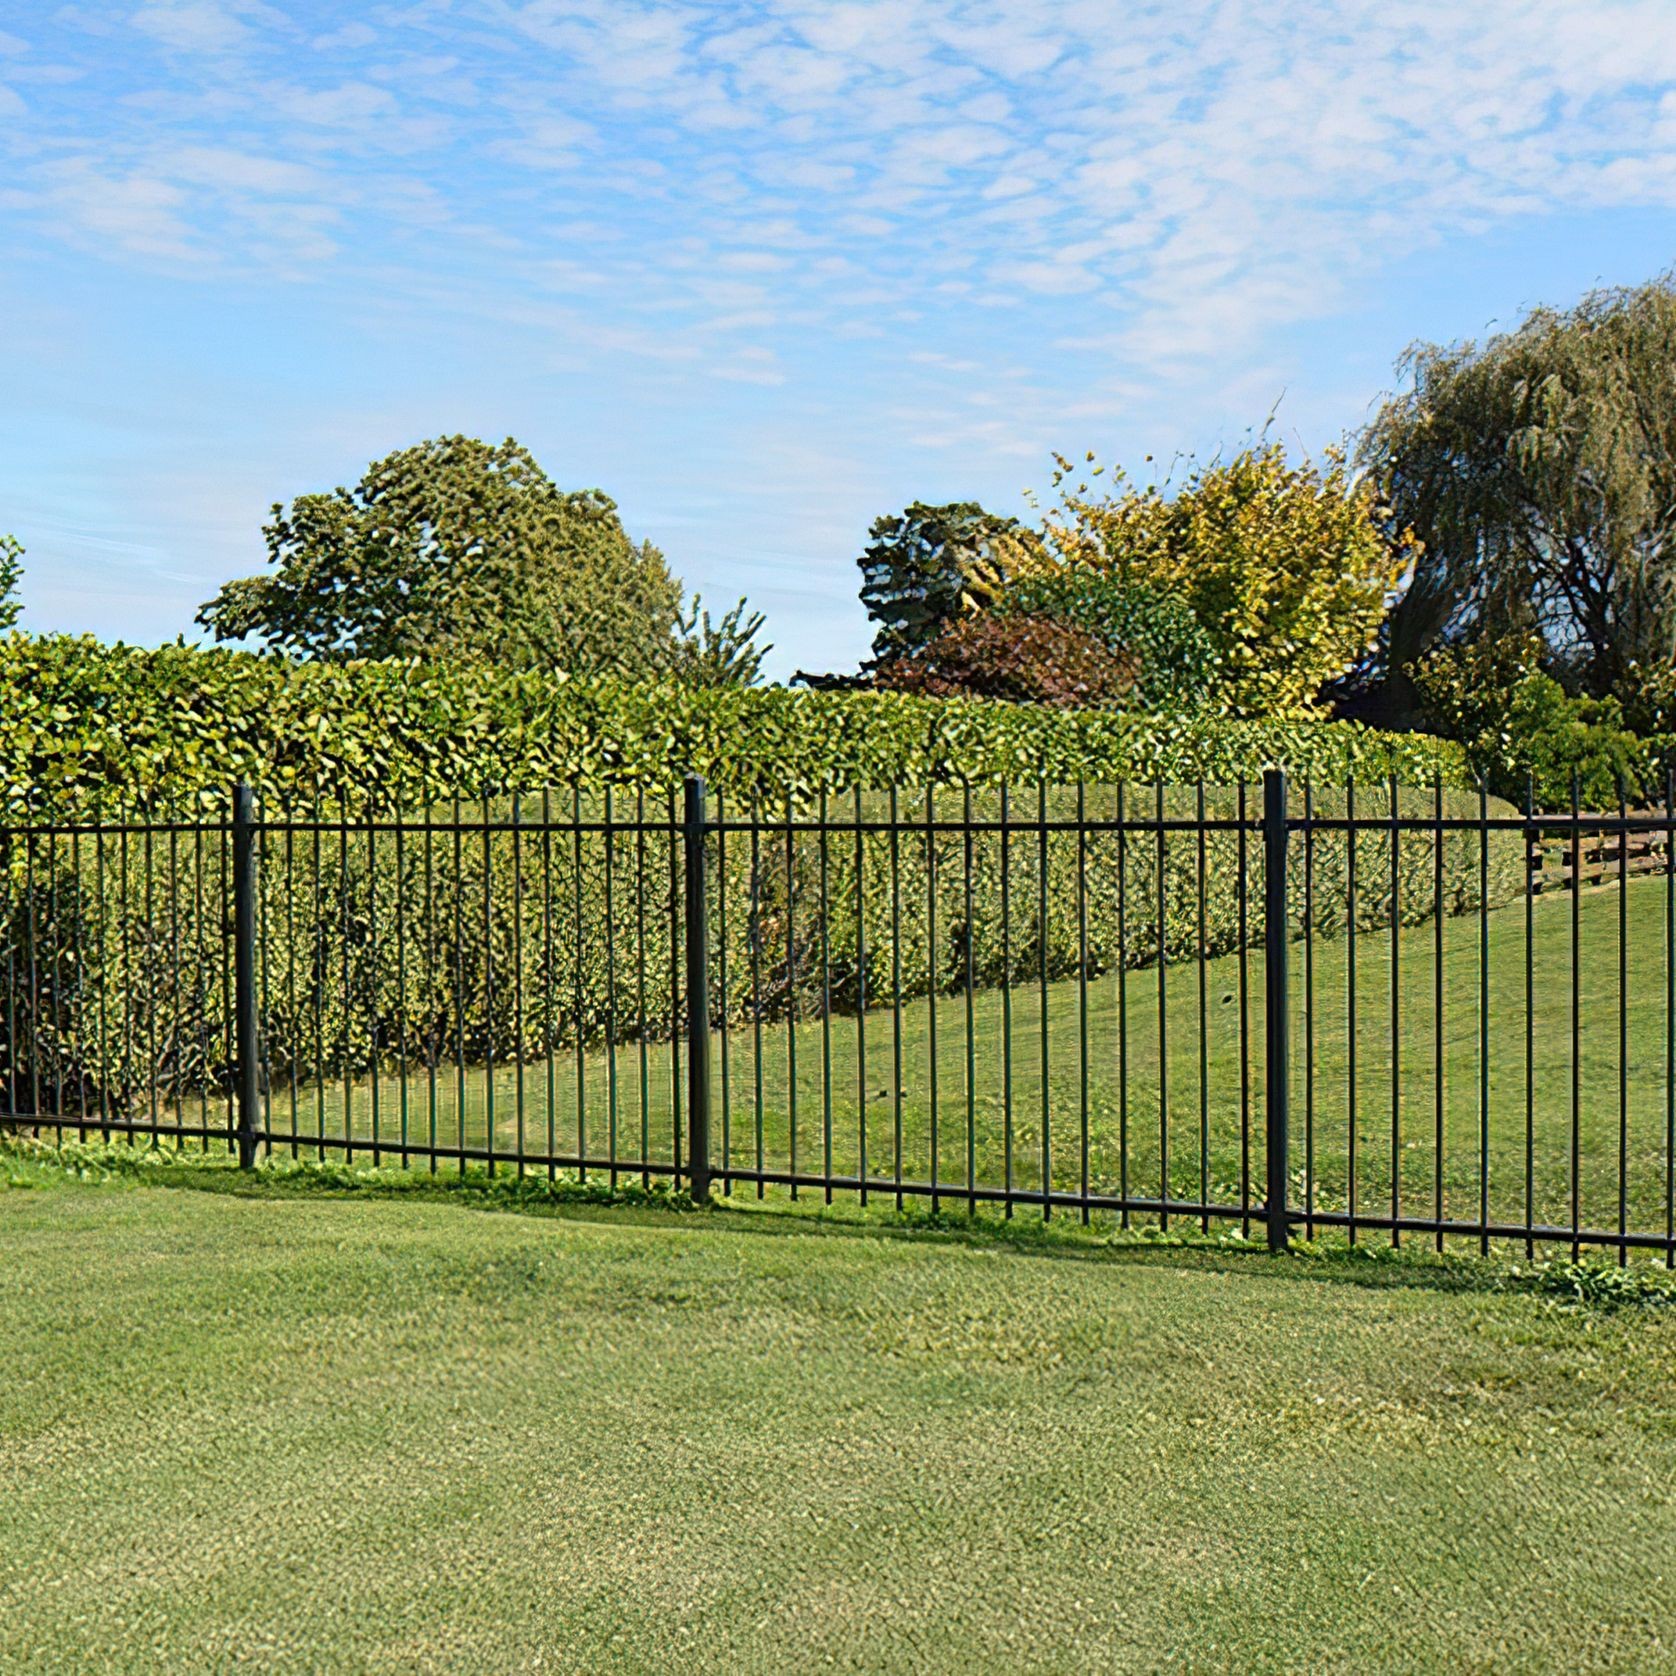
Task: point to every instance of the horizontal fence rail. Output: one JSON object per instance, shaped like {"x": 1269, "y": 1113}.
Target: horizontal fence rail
{"x": 1382, "y": 1011}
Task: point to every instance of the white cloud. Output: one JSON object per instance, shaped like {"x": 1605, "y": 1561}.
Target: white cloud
{"x": 193, "y": 25}
{"x": 851, "y": 202}
{"x": 136, "y": 213}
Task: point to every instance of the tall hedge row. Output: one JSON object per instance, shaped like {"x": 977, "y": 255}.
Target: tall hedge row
{"x": 83, "y": 725}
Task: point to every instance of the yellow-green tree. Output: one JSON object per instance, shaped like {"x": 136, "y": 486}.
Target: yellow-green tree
{"x": 1288, "y": 567}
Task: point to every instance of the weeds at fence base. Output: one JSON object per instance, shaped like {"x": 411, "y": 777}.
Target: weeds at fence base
{"x": 1589, "y": 1285}
{"x": 102, "y": 1162}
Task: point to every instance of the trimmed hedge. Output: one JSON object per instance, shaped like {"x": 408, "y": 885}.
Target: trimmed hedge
{"x": 117, "y": 960}
{"x": 87, "y": 725}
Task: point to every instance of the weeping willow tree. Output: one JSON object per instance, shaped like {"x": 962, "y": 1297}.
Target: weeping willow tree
{"x": 1538, "y": 470}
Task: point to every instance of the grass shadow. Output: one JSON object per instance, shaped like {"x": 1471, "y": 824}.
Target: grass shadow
{"x": 25, "y": 1164}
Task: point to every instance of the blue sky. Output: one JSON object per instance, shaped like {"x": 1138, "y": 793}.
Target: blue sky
{"x": 761, "y": 271}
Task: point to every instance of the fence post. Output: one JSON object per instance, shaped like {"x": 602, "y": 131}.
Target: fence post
{"x": 248, "y": 1076}
{"x": 1276, "y": 1003}
{"x": 698, "y": 995}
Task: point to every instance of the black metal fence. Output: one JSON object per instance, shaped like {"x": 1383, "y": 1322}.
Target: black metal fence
{"x": 1281, "y": 1010}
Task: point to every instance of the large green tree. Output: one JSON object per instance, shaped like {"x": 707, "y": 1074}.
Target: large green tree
{"x": 457, "y": 547}
{"x": 1538, "y": 469}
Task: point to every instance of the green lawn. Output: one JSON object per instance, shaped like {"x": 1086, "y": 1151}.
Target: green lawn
{"x": 293, "y": 1432}
{"x": 627, "y": 1094}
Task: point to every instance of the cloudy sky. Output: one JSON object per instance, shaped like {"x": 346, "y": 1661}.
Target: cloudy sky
{"x": 762, "y": 271}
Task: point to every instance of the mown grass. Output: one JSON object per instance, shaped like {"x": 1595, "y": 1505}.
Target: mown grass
{"x": 268, "y": 1426}
{"x": 1474, "y": 1103}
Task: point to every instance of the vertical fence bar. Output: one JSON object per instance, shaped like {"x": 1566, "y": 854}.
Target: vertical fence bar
{"x": 1042, "y": 991}
{"x": 153, "y": 977}
{"x": 1202, "y": 940}
{"x": 1161, "y": 885}
{"x": 608, "y": 836}
{"x": 861, "y": 997}
{"x": 643, "y": 1046}
{"x": 1242, "y": 882}
{"x": 249, "y": 1080}
{"x": 372, "y": 964}
{"x": 1082, "y": 996}
{"x": 1277, "y": 1003}
{"x": 791, "y": 1002}
{"x": 824, "y": 890}
{"x": 1394, "y": 794}
{"x": 698, "y": 995}
{"x": 673, "y": 816}
{"x": 1006, "y": 1009}
{"x": 34, "y": 997}
{"x": 1122, "y": 1010}
{"x": 757, "y": 887}
{"x": 1438, "y": 1007}
{"x": 104, "y": 967}
{"x": 933, "y": 977}
{"x": 726, "y": 1015}
{"x": 292, "y": 1030}
{"x": 1350, "y": 911}
{"x": 1309, "y": 1007}
{"x": 1483, "y": 1018}
{"x": 578, "y": 1002}
{"x": 346, "y": 979}
{"x": 174, "y": 959}
{"x": 489, "y": 990}
{"x": 1533, "y": 837}
{"x": 895, "y": 996}
{"x": 549, "y": 975}
{"x": 1623, "y": 1024}
{"x": 1576, "y": 1019}
{"x": 1669, "y": 1017}
{"x": 971, "y": 1041}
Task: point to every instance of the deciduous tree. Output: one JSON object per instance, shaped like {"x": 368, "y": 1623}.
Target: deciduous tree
{"x": 930, "y": 565}
{"x": 1288, "y": 568}
{"x": 457, "y": 547}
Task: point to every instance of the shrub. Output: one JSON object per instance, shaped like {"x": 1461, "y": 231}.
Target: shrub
{"x": 1525, "y": 734}
{"x": 1176, "y": 664}
{"x": 1023, "y": 659}
{"x": 84, "y": 725}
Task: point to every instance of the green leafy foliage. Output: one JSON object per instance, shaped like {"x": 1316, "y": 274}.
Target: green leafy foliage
{"x": 1287, "y": 567}
{"x": 83, "y": 724}
{"x": 1023, "y": 659}
{"x": 1525, "y": 734}
{"x": 460, "y": 548}
{"x": 725, "y": 653}
{"x": 1173, "y": 655}
{"x": 929, "y": 565}
{"x": 11, "y": 573}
